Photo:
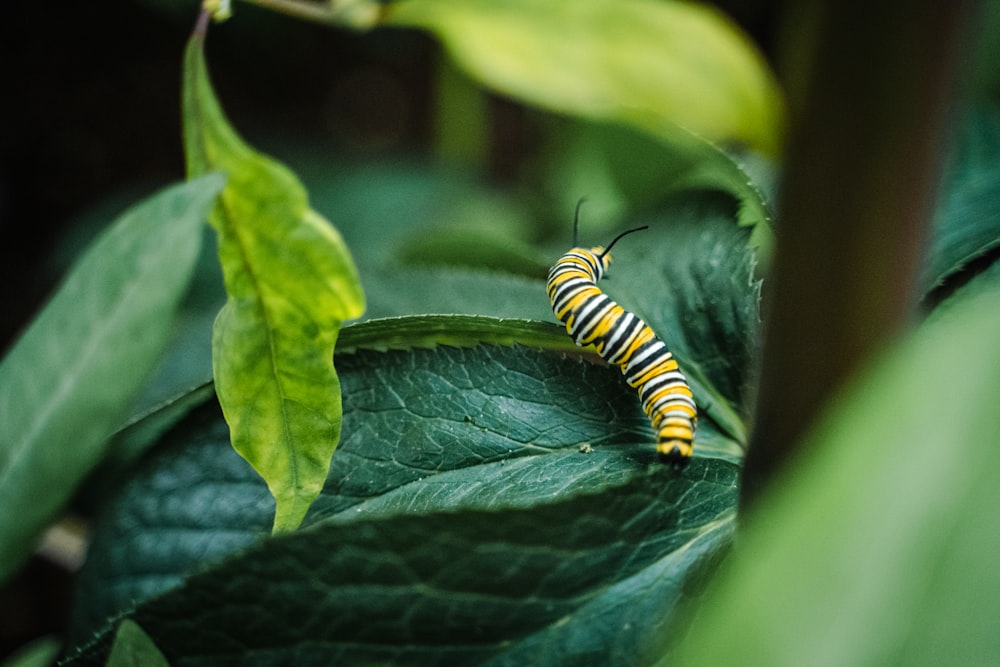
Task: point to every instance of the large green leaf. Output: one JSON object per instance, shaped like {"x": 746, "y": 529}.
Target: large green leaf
{"x": 290, "y": 283}
{"x": 66, "y": 383}
{"x": 651, "y": 64}
{"x": 463, "y": 519}
{"x": 880, "y": 547}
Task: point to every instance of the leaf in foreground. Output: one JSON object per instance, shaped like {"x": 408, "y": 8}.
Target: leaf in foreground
{"x": 290, "y": 283}
{"x": 67, "y": 381}
{"x": 881, "y": 547}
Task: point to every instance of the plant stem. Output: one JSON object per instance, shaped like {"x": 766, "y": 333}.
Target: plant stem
{"x": 869, "y": 118}
{"x": 316, "y": 12}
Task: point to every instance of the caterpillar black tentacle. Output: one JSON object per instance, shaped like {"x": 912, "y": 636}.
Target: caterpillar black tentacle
{"x": 623, "y": 339}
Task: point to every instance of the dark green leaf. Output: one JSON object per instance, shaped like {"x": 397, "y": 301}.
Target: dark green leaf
{"x": 967, "y": 223}
{"x": 290, "y": 283}
{"x": 67, "y": 382}
{"x": 461, "y": 521}
{"x": 691, "y": 277}
{"x": 404, "y": 333}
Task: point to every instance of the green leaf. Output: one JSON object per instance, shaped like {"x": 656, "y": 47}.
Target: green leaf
{"x": 404, "y": 333}
{"x": 622, "y": 169}
{"x": 461, "y": 521}
{"x": 880, "y": 547}
{"x": 480, "y": 244}
{"x": 985, "y": 281}
{"x": 39, "y": 653}
{"x": 67, "y": 382}
{"x": 967, "y": 222}
{"x": 653, "y": 65}
{"x": 290, "y": 283}
{"x": 134, "y": 648}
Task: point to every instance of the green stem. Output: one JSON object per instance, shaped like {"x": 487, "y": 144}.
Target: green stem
{"x": 316, "y": 12}
{"x": 869, "y": 107}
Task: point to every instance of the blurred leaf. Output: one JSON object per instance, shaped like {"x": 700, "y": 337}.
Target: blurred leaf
{"x": 880, "y": 547}
{"x": 984, "y": 70}
{"x": 134, "y": 648}
{"x": 967, "y": 223}
{"x": 66, "y": 383}
{"x": 621, "y": 169}
{"x": 651, "y": 64}
{"x": 39, "y": 653}
{"x": 985, "y": 281}
{"x": 460, "y": 521}
{"x": 475, "y": 245}
{"x": 462, "y": 124}
{"x": 290, "y": 283}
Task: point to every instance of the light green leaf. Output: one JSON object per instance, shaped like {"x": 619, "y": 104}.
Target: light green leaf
{"x": 290, "y": 283}
{"x": 651, "y": 64}
{"x": 133, "y": 648}
{"x": 880, "y": 547}
{"x": 67, "y": 382}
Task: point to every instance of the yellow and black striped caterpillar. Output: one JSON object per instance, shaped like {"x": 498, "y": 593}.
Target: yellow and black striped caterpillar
{"x": 623, "y": 339}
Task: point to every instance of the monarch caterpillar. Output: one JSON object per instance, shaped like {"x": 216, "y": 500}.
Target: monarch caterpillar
{"x": 623, "y": 339}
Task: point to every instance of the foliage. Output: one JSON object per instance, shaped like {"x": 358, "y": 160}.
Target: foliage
{"x": 889, "y": 522}
{"x": 62, "y": 395}
{"x": 493, "y": 495}
{"x": 290, "y": 283}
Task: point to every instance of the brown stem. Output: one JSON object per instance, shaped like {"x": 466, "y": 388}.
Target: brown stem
{"x": 869, "y": 123}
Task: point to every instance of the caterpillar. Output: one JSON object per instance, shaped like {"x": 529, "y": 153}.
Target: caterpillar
{"x": 624, "y": 340}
